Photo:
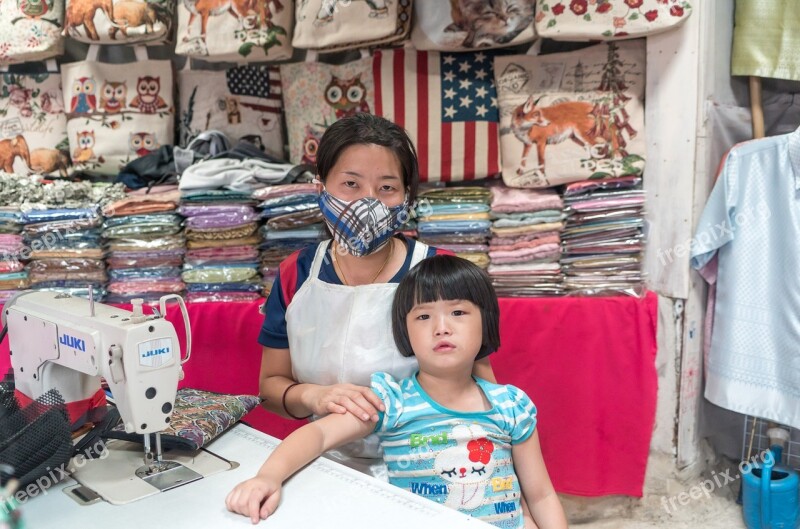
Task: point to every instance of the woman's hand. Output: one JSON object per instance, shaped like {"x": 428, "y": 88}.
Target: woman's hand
{"x": 256, "y": 498}
{"x": 361, "y": 401}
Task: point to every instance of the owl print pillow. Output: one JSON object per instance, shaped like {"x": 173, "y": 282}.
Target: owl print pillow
{"x": 316, "y": 95}
{"x": 116, "y": 112}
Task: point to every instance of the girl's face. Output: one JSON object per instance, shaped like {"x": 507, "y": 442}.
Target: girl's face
{"x": 445, "y": 334}
{"x": 367, "y": 171}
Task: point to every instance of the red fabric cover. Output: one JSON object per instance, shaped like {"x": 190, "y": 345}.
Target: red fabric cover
{"x": 79, "y": 412}
{"x": 587, "y": 363}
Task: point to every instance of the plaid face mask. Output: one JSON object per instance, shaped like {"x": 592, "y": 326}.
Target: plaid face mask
{"x": 364, "y": 225}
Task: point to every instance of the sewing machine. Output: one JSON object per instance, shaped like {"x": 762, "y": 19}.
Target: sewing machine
{"x": 68, "y": 343}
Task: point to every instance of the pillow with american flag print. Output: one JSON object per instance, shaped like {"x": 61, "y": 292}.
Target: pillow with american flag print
{"x": 242, "y": 102}
{"x": 448, "y": 104}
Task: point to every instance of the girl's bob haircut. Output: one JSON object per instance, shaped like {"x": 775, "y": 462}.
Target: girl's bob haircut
{"x": 367, "y": 129}
{"x": 446, "y": 278}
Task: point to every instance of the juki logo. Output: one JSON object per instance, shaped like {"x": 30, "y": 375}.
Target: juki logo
{"x": 71, "y": 341}
{"x": 156, "y": 352}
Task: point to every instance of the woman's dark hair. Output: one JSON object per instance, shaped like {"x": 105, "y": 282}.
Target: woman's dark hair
{"x": 446, "y": 277}
{"x": 366, "y": 129}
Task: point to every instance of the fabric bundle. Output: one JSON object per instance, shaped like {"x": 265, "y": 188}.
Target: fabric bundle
{"x": 293, "y": 220}
{"x": 526, "y": 242}
{"x": 13, "y": 275}
{"x": 222, "y": 257}
{"x": 456, "y": 219}
{"x": 603, "y": 238}
{"x": 146, "y": 244}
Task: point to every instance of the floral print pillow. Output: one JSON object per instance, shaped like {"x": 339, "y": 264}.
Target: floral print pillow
{"x": 608, "y": 19}
{"x": 198, "y": 418}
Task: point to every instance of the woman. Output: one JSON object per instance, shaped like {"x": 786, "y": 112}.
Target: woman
{"x": 327, "y": 326}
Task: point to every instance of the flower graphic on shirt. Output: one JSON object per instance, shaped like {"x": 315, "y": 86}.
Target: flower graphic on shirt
{"x": 466, "y": 467}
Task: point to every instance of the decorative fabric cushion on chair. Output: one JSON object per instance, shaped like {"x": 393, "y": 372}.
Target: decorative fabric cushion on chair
{"x": 119, "y": 21}
{"x": 31, "y": 31}
{"x": 33, "y": 127}
{"x": 572, "y": 116}
{"x": 198, "y": 418}
{"x": 608, "y": 19}
{"x": 461, "y": 25}
{"x": 117, "y": 112}
{"x": 333, "y": 25}
{"x": 242, "y": 102}
{"x": 316, "y": 95}
{"x": 447, "y": 102}
{"x": 235, "y": 30}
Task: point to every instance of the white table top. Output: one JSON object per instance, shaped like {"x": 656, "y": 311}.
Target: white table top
{"x": 325, "y": 494}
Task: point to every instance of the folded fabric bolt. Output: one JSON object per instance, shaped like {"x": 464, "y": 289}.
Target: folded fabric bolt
{"x": 220, "y": 221}
{"x": 198, "y": 210}
{"x": 446, "y": 208}
{"x": 222, "y": 274}
{"x": 222, "y": 297}
{"x": 462, "y": 226}
{"x": 99, "y": 277}
{"x": 89, "y": 253}
{"x": 522, "y": 254}
{"x": 267, "y": 193}
{"x": 149, "y": 219}
{"x": 66, "y": 265}
{"x": 168, "y": 242}
{"x": 151, "y": 203}
{"x": 585, "y": 186}
{"x": 478, "y": 259}
{"x": 449, "y": 193}
{"x": 233, "y": 233}
{"x": 222, "y": 243}
{"x": 521, "y": 230}
{"x": 216, "y": 196}
{"x": 528, "y": 220}
{"x": 295, "y": 220}
{"x": 524, "y": 268}
{"x": 508, "y": 200}
{"x": 136, "y": 262}
{"x": 237, "y": 175}
{"x": 171, "y": 286}
{"x": 234, "y": 252}
{"x": 520, "y": 244}
{"x": 289, "y": 200}
{"x": 456, "y": 216}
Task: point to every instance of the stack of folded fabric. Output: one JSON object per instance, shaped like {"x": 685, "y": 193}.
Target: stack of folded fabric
{"x": 293, "y": 221}
{"x": 222, "y": 245}
{"x": 146, "y": 246}
{"x": 603, "y": 239}
{"x": 13, "y": 275}
{"x": 526, "y": 244}
{"x": 456, "y": 219}
{"x": 66, "y": 251}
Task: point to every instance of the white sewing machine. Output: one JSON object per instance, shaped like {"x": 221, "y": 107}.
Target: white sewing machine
{"x": 68, "y": 343}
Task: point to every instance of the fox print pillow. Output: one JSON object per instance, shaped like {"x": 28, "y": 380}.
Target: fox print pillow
{"x": 119, "y": 21}
{"x": 572, "y": 116}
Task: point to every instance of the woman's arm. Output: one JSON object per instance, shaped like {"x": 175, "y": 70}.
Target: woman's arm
{"x": 305, "y": 399}
{"x": 537, "y": 489}
{"x": 258, "y": 497}
{"x": 483, "y": 369}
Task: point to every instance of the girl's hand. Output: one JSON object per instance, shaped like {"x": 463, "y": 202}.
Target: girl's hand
{"x": 361, "y": 401}
{"x": 256, "y": 498}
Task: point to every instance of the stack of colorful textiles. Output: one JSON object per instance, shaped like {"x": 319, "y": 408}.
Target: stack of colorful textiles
{"x": 526, "y": 243}
{"x": 13, "y": 275}
{"x": 293, "y": 221}
{"x": 65, "y": 251}
{"x": 603, "y": 239}
{"x": 222, "y": 257}
{"x": 146, "y": 246}
{"x": 456, "y": 219}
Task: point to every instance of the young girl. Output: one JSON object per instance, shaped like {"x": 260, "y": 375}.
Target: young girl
{"x": 446, "y": 434}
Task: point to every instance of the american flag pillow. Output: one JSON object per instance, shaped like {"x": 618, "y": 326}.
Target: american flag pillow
{"x": 448, "y": 104}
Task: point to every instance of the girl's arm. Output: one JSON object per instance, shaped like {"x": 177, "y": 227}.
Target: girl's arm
{"x": 258, "y": 497}
{"x": 276, "y": 376}
{"x": 537, "y": 490}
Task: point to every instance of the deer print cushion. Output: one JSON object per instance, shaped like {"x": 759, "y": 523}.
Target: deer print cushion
{"x": 235, "y": 30}
{"x": 333, "y": 25}
{"x": 33, "y": 125}
{"x": 472, "y": 24}
{"x": 119, "y": 21}
{"x": 462, "y": 460}
{"x": 30, "y": 30}
{"x": 117, "y": 112}
{"x": 316, "y": 95}
{"x": 242, "y": 102}
{"x": 572, "y": 116}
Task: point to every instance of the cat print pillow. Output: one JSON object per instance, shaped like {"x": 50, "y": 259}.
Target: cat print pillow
{"x": 117, "y": 112}
{"x": 242, "y": 102}
{"x": 316, "y": 95}
{"x": 333, "y": 25}
{"x": 461, "y": 25}
{"x": 119, "y": 21}
{"x": 235, "y": 30}
{"x": 30, "y": 30}
{"x": 572, "y": 116}
{"x": 33, "y": 125}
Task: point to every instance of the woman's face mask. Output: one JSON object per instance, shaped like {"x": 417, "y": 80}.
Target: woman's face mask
{"x": 364, "y": 225}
